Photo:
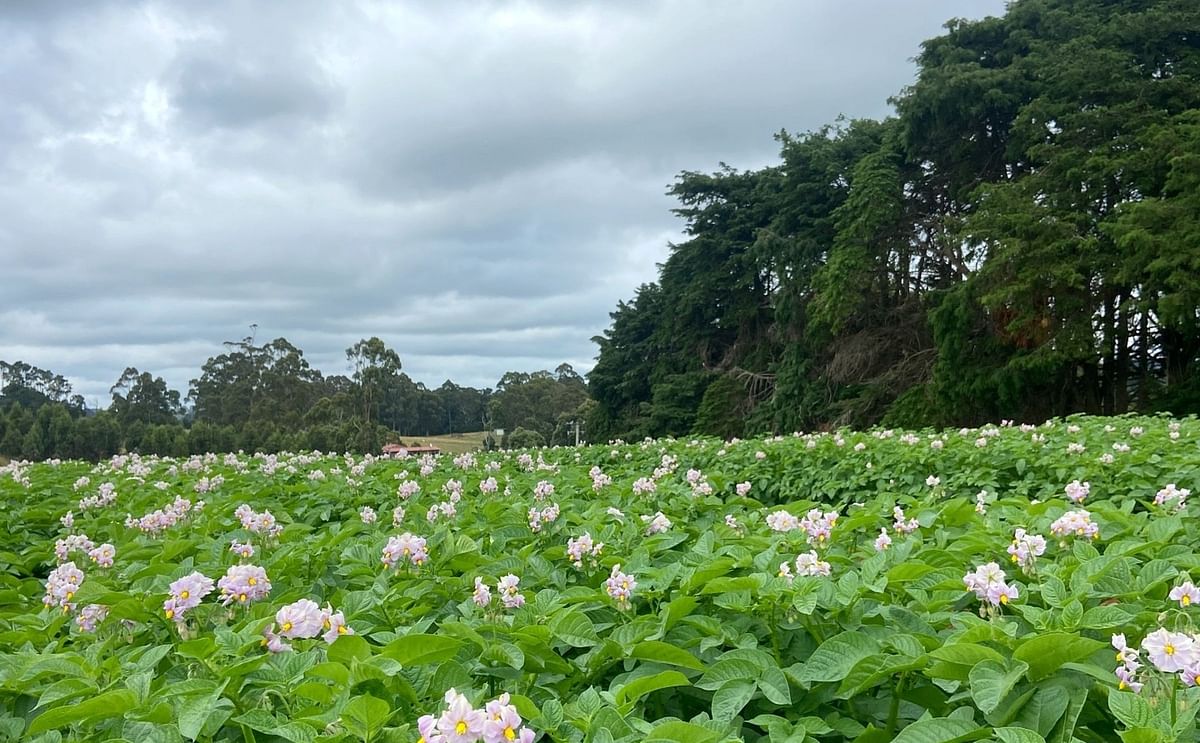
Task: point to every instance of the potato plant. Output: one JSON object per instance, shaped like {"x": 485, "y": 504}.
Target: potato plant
{"x": 1008, "y": 583}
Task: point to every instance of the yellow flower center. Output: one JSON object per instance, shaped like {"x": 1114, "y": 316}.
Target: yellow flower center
{"x": 184, "y": 594}
{"x": 342, "y": 630}
{"x": 510, "y": 733}
{"x": 170, "y": 613}
{"x": 420, "y": 739}
{"x": 70, "y": 594}
{"x": 1169, "y": 649}
{"x": 1122, "y": 686}
{"x": 1120, "y": 656}
{"x": 253, "y": 581}
{"x": 461, "y": 727}
{"x": 327, "y": 624}
{"x": 1185, "y": 600}
{"x": 242, "y": 597}
{"x": 1004, "y": 598}
{"x": 287, "y": 626}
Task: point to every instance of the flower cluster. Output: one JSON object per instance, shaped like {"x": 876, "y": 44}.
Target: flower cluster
{"x": 819, "y": 526}
{"x": 1173, "y": 652}
{"x": 656, "y": 524}
{"x": 883, "y": 541}
{"x": 89, "y": 616}
{"x": 1026, "y": 548}
{"x": 497, "y": 722}
{"x": 259, "y": 523}
{"x": 368, "y": 515}
{"x": 547, "y": 515}
{"x": 543, "y": 490}
{"x": 782, "y": 521}
{"x": 1126, "y": 673}
{"x": 599, "y": 479}
{"x": 1186, "y": 594}
{"x": 106, "y": 494}
{"x": 206, "y": 484}
{"x": 483, "y": 594}
{"x": 620, "y": 587}
{"x": 1077, "y": 523}
{"x": 743, "y": 489}
{"x": 510, "y": 596}
{"x": 408, "y": 489}
{"x": 989, "y": 586}
{"x": 901, "y": 524}
{"x": 72, "y": 543}
{"x": 304, "y": 620}
{"x": 186, "y": 594}
{"x": 155, "y": 522}
{"x": 981, "y": 502}
{"x": 488, "y": 486}
{"x": 1172, "y": 495}
{"x": 243, "y": 584}
{"x": 583, "y": 547}
{"x": 397, "y": 515}
{"x": 103, "y": 555}
{"x": 445, "y": 508}
{"x": 1077, "y": 491}
{"x": 644, "y": 486}
{"x": 61, "y": 585}
{"x": 405, "y": 547}
{"x": 244, "y": 551}
{"x": 807, "y": 564}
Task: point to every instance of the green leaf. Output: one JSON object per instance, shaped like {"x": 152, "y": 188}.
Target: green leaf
{"x": 1054, "y": 592}
{"x": 1072, "y": 614}
{"x": 728, "y": 669}
{"x": 661, "y": 652}
{"x": 195, "y": 710}
{"x": 681, "y": 732}
{"x": 552, "y": 714}
{"x": 991, "y": 682}
{"x": 774, "y": 685}
{"x": 264, "y": 722}
{"x": 109, "y": 704}
{"x": 416, "y": 650}
{"x": 837, "y": 655}
{"x": 1131, "y": 709}
{"x": 348, "y": 647}
{"x": 636, "y": 689}
{"x": 1142, "y": 735}
{"x": 940, "y": 730}
{"x": 1017, "y": 735}
{"x": 1046, "y": 653}
{"x": 574, "y": 628}
{"x": 729, "y": 700}
{"x": 1045, "y": 708}
{"x": 365, "y": 715}
{"x": 966, "y": 654}
{"x": 1104, "y": 617}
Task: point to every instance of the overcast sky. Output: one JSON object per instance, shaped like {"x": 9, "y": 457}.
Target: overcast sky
{"x": 476, "y": 183}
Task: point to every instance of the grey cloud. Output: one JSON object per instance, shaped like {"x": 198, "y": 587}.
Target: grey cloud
{"x": 476, "y": 182}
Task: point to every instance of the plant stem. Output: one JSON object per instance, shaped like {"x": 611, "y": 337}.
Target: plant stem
{"x": 894, "y": 710}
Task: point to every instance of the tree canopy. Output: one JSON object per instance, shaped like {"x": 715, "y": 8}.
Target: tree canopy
{"x": 1019, "y": 240}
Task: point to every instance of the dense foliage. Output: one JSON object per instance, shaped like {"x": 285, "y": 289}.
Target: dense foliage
{"x": 268, "y": 398}
{"x": 811, "y": 587}
{"x": 1020, "y": 240}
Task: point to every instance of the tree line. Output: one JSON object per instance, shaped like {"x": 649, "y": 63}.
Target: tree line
{"x": 1021, "y": 239}
{"x": 267, "y": 397}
